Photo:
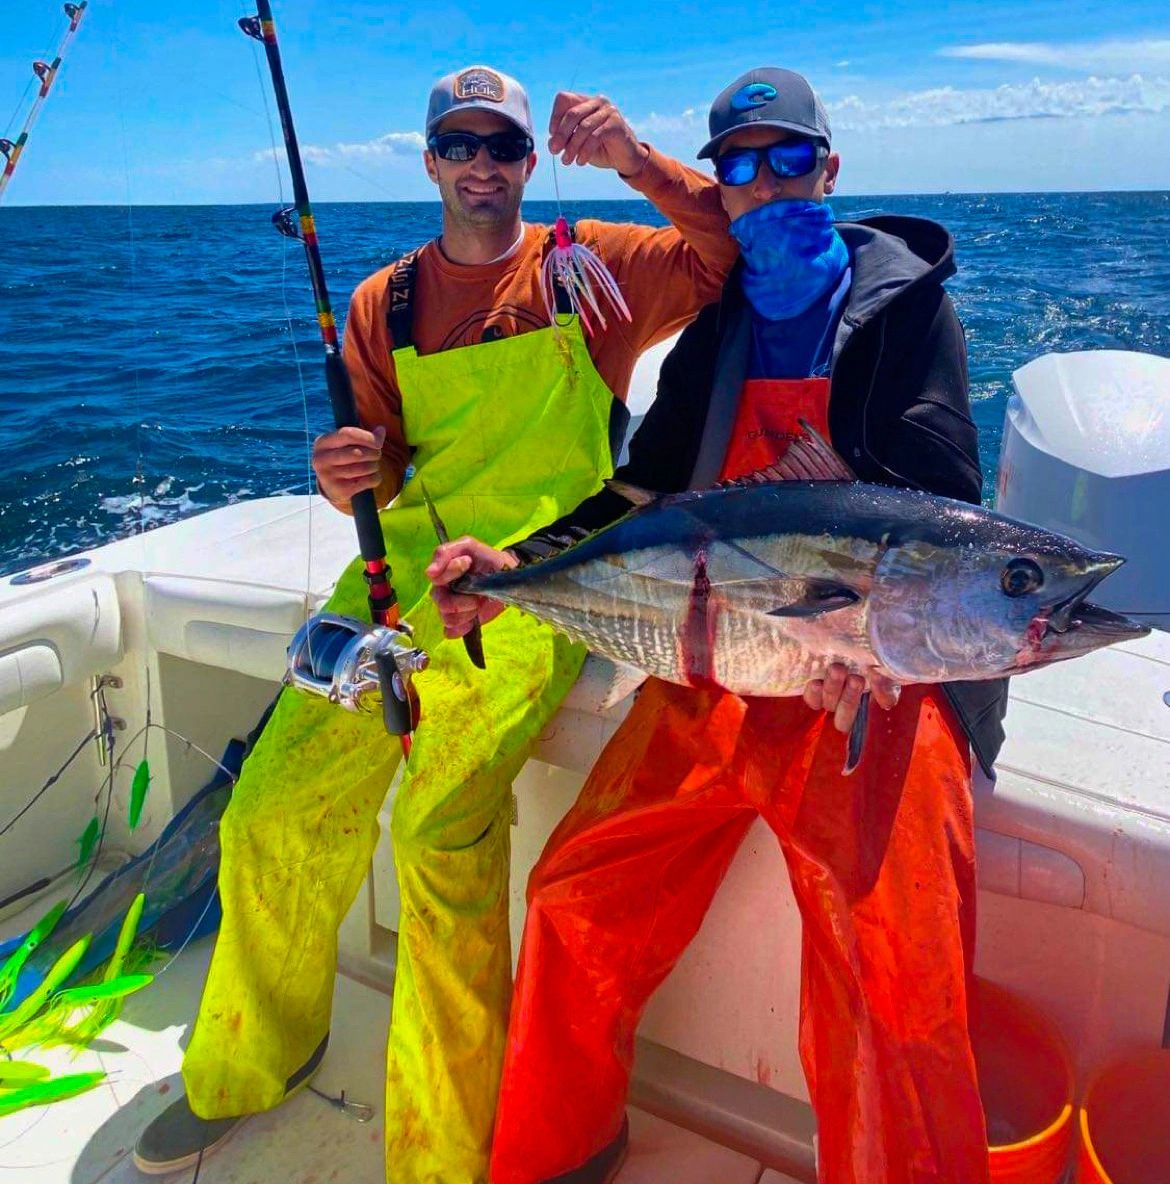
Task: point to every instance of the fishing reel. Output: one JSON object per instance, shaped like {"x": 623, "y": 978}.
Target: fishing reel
{"x": 358, "y": 666}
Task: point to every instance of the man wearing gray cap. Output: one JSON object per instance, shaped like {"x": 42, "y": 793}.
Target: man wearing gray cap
{"x": 509, "y": 420}
{"x": 846, "y": 327}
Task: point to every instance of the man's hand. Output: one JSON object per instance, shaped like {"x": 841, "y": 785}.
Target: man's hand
{"x": 589, "y": 129}
{"x": 455, "y": 559}
{"x": 840, "y": 692}
{"x": 347, "y": 461}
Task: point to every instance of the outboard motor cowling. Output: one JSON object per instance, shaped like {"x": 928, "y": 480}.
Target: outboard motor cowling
{"x": 1086, "y": 451}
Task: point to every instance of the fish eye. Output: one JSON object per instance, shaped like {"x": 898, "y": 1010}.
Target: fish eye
{"x": 1020, "y": 577}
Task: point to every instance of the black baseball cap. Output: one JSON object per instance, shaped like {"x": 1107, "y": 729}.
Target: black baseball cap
{"x": 767, "y": 97}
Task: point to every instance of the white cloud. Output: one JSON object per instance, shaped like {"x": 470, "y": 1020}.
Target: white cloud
{"x": 949, "y": 107}
{"x": 1106, "y": 57}
{"x": 945, "y": 106}
{"x": 669, "y": 125}
{"x": 392, "y": 144}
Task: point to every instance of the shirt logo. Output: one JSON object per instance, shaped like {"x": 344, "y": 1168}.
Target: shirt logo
{"x": 755, "y": 94}
{"x": 479, "y": 83}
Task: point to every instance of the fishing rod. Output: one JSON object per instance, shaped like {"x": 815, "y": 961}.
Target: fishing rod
{"x": 341, "y": 657}
{"x": 46, "y": 72}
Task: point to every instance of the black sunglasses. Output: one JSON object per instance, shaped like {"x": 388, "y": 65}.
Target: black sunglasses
{"x": 786, "y": 158}
{"x": 506, "y": 147}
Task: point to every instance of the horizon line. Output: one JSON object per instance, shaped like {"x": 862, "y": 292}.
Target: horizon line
{"x": 102, "y": 205}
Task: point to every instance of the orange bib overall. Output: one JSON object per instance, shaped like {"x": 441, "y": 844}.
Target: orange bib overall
{"x": 882, "y": 867}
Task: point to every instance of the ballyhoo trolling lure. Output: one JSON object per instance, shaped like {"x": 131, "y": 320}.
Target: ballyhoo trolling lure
{"x": 586, "y": 282}
{"x": 46, "y": 73}
{"x": 383, "y": 658}
{"x": 54, "y": 1014}
{"x": 39, "y": 1009}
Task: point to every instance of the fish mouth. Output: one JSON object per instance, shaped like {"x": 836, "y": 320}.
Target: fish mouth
{"x": 1084, "y": 628}
{"x": 1103, "y": 623}
{"x": 1063, "y": 615}
{"x": 1074, "y": 626}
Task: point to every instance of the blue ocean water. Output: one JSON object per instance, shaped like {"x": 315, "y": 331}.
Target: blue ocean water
{"x": 148, "y": 355}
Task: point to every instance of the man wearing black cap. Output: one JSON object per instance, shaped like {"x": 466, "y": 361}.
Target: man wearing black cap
{"x": 846, "y": 327}
{"x": 459, "y": 373}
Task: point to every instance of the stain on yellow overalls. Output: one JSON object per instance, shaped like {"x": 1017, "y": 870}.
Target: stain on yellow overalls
{"x": 507, "y": 438}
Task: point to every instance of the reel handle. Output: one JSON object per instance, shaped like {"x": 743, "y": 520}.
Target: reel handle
{"x": 398, "y": 708}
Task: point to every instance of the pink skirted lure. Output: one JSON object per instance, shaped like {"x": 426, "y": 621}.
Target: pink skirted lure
{"x": 585, "y": 280}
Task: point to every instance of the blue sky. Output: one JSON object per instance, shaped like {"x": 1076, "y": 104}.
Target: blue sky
{"x": 160, "y": 103}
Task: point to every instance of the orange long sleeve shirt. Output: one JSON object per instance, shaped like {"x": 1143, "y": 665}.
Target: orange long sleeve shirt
{"x": 666, "y": 275}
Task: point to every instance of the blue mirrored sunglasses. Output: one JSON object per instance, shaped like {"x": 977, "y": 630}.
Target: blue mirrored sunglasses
{"x": 786, "y": 158}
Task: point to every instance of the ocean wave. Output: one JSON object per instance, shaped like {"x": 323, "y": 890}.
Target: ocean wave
{"x": 142, "y": 380}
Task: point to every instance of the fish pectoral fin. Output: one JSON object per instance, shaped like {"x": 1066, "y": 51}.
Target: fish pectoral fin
{"x": 856, "y": 742}
{"x": 729, "y": 562}
{"x": 634, "y": 494}
{"x": 821, "y": 596}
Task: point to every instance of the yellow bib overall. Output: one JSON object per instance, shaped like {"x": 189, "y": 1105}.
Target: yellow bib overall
{"x": 507, "y": 438}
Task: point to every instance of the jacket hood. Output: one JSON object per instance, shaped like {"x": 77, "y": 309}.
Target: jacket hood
{"x": 890, "y": 253}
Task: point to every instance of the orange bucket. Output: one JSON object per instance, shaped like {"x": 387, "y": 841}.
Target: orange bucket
{"x": 1027, "y": 1084}
{"x": 1125, "y": 1123}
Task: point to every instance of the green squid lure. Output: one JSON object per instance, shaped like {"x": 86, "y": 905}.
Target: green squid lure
{"x": 138, "y": 788}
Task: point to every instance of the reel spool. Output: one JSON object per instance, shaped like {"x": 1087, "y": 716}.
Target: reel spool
{"x": 358, "y": 666}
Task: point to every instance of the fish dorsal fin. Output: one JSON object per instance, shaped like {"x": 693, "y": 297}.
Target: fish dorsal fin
{"x": 634, "y": 494}
{"x": 810, "y": 457}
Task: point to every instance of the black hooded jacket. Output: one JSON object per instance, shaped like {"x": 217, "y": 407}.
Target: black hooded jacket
{"x": 899, "y": 411}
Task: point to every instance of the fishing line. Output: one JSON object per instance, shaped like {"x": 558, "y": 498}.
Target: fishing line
{"x": 188, "y": 742}
{"x": 212, "y": 896}
{"x": 139, "y": 461}
{"x": 91, "y": 867}
{"x": 90, "y": 735}
{"x": 19, "y": 107}
{"x": 54, "y": 39}
{"x": 572, "y": 273}
{"x": 45, "y": 73}
{"x": 145, "y": 731}
{"x": 32, "y": 1126}
{"x": 292, "y": 336}
{"x": 94, "y": 856}
{"x": 107, "y": 729}
{"x": 156, "y": 846}
{"x": 139, "y": 479}
{"x": 390, "y": 193}
{"x": 553, "y": 156}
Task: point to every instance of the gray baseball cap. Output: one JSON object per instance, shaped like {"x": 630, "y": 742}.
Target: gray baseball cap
{"x": 479, "y": 88}
{"x": 767, "y": 97}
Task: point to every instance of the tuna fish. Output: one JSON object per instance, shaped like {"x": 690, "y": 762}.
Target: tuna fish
{"x": 757, "y": 586}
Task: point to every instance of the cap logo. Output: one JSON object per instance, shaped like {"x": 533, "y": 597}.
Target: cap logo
{"x": 755, "y": 94}
{"x": 479, "y": 84}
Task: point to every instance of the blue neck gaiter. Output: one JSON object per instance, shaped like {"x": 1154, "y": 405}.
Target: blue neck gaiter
{"x": 792, "y": 256}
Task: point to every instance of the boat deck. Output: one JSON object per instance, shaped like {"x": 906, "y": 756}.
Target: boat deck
{"x": 307, "y": 1141}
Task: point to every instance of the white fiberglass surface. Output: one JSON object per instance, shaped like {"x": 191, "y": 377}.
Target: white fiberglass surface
{"x": 1106, "y": 411}
{"x": 90, "y": 1138}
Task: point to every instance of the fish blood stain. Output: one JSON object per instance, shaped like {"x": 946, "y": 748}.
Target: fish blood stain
{"x": 698, "y": 643}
